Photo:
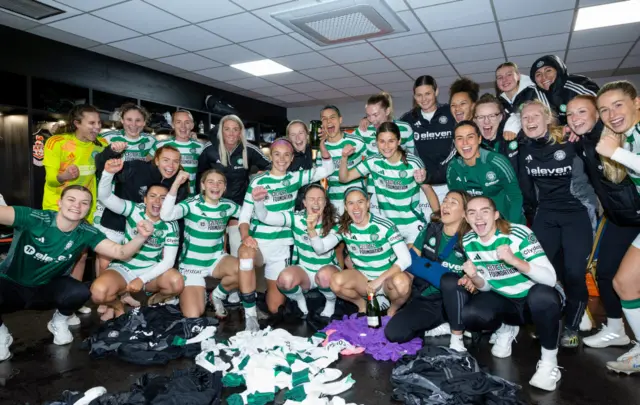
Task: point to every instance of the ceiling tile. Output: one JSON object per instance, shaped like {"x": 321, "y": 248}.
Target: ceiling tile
{"x": 410, "y": 20}
{"x": 196, "y": 11}
{"x": 289, "y": 78}
{"x": 327, "y": 94}
{"x": 162, "y": 67}
{"x": 397, "y": 5}
{"x": 63, "y": 36}
{"x": 478, "y": 67}
{"x": 352, "y": 53}
{"x": 524, "y": 62}
{"x": 636, "y": 49}
{"x": 129, "y": 15}
{"x": 631, "y": 61}
{"x": 308, "y": 87}
{"x": 444, "y": 82}
{"x": 265, "y": 13}
{"x": 94, "y": 28}
{"x": 467, "y": 36}
{"x": 486, "y": 77}
{"x": 361, "y": 91}
{"x": 240, "y": 27}
{"x": 317, "y": 47}
{"x": 16, "y": 22}
{"x": 191, "y": 38}
{"x": 328, "y": 72}
{"x": 270, "y": 100}
{"x": 231, "y": 54}
{"x": 223, "y": 73}
{"x": 420, "y": 60}
{"x": 595, "y": 65}
{"x": 536, "y": 26}
{"x": 598, "y": 52}
{"x": 536, "y": 45}
{"x": 347, "y": 82}
{"x": 435, "y": 71}
{"x": 304, "y": 61}
{"x": 400, "y": 86}
{"x": 280, "y": 45}
{"x": 147, "y": 46}
{"x": 456, "y": 14}
{"x": 605, "y": 36}
{"x": 250, "y": 83}
{"x": 189, "y": 61}
{"x": 68, "y": 12}
{"x": 521, "y": 8}
{"x": 294, "y": 98}
{"x": 371, "y": 66}
{"x": 274, "y": 91}
{"x": 253, "y": 4}
{"x": 589, "y": 3}
{"x": 406, "y": 45}
{"x": 117, "y": 53}
{"x": 88, "y": 5}
{"x": 425, "y": 3}
{"x": 383, "y": 78}
{"x": 473, "y": 53}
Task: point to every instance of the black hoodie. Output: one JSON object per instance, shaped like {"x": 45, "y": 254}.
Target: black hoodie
{"x": 566, "y": 86}
{"x": 301, "y": 161}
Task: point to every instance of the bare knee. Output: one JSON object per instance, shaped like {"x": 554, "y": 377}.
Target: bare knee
{"x": 323, "y": 277}
{"x": 402, "y": 284}
{"x": 246, "y": 253}
{"x": 176, "y": 282}
{"x": 338, "y": 281}
{"x": 622, "y": 286}
{"x": 286, "y": 281}
{"x": 99, "y": 291}
{"x": 192, "y": 312}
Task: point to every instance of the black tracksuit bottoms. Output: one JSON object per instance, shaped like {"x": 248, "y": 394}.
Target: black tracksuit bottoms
{"x": 415, "y": 317}
{"x": 571, "y": 232}
{"x": 542, "y": 307}
{"x": 66, "y": 294}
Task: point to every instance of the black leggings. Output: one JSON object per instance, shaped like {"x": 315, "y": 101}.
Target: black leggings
{"x": 417, "y": 316}
{"x": 614, "y": 243}
{"x": 571, "y": 232}
{"x": 63, "y": 293}
{"x": 488, "y": 310}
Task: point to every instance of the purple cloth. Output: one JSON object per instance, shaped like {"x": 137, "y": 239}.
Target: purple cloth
{"x": 355, "y": 331}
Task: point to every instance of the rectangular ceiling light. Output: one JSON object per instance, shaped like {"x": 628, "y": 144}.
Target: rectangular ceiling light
{"x": 262, "y": 67}
{"x": 607, "y": 15}
{"x": 30, "y": 8}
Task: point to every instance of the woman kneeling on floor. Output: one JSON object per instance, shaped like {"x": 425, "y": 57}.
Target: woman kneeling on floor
{"x": 507, "y": 264}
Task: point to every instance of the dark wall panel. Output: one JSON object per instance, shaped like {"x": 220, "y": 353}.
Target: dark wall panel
{"x": 15, "y": 158}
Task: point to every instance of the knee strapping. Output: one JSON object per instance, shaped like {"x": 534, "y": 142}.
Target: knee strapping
{"x": 246, "y": 264}
{"x": 248, "y": 298}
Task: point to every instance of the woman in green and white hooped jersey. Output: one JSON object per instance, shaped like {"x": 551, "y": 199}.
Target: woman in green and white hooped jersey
{"x": 516, "y": 282}
{"x": 206, "y": 217}
{"x": 270, "y": 245}
{"x": 152, "y": 267}
{"x": 190, "y": 149}
{"x": 619, "y": 108}
{"x": 395, "y": 176}
{"x": 309, "y": 269}
{"x": 378, "y": 252}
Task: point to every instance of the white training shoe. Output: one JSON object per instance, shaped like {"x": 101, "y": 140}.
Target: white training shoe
{"x": 73, "y": 320}
{"x": 90, "y": 395}
{"x": 233, "y": 298}
{"x": 504, "y": 338}
{"x": 546, "y": 377}
{"x": 218, "y": 306}
{"x": 5, "y": 341}
{"x": 628, "y": 363}
{"x": 635, "y": 351}
{"x": 60, "y": 329}
{"x": 607, "y": 337}
{"x": 586, "y": 324}
{"x": 440, "y": 330}
{"x": 457, "y": 345}
{"x": 84, "y": 310}
{"x": 494, "y": 335}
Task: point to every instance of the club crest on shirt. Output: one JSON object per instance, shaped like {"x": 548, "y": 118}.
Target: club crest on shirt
{"x": 375, "y": 237}
{"x": 403, "y": 174}
{"x": 240, "y": 161}
{"x": 443, "y": 120}
{"x": 513, "y": 145}
{"x": 491, "y": 176}
{"x": 192, "y": 150}
{"x": 532, "y": 238}
{"x": 432, "y": 241}
{"x": 559, "y": 155}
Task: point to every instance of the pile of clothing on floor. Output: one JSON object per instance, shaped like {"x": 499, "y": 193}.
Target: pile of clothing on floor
{"x": 354, "y": 329}
{"x": 149, "y": 335}
{"x": 439, "y": 375}
{"x": 193, "y": 386}
{"x": 269, "y": 361}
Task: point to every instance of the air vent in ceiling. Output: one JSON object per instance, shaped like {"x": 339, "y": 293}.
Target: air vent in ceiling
{"x": 337, "y": 21}
{"x": 30, "y": 8}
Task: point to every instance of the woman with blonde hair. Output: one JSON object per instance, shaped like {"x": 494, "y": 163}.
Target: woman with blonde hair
{"x": 555, "y": 186}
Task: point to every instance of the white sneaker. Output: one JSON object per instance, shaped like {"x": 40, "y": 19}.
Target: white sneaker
{"x": 457, "y": 345}
{"x": 628, "y": 363}
{"x": 233, "y": 298}
{"x": 218, "y": 306}
{"x": 546, "y": 377}
{"x": 635, "y": 351}
{"x": 383, "y": 302}
{"x": 504, "y": 338}
{"x": 73, "y": 320}
{"x": 90, "y": 395}
{"x": 494, "y": 335}
{"x": 440, "y": 330}
{"x": 5, "y": 341}
{"x": 84, "y": 310}
{"x": 586, "y": 324}
{"x": 607, "y": 337}
{"x": 60, "y": 329}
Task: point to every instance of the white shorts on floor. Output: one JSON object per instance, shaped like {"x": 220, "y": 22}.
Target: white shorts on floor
{"x": 235, "y": 239}
{"x": 636, "y": 242}
{"x": 194, "y": 276}
{"x": 424, "y": 207}
{"x": 275, "y": 258}
{"x": 411, "y": 231}
{"x": 113, "y": 236}
{"x": 127, "y": 274}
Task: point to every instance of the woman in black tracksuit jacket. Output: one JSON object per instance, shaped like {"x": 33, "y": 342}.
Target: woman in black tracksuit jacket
{"x": 553, "y": 179}
{"x": 432, "y": 125}
{"x": 550, "y": 75}
{"x": 621, "y": 204}
{"x": 298, "y": 134}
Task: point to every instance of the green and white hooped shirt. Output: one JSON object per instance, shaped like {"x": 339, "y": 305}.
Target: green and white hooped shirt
{"x": 371, "y": 247}
{"x": 501, "y": 277}
{"x": 205, "y": 225}
{"x": 396, "y": 190}
{"x": 190, "y": 151}
{"x": 303, "y": 254}
{"x": 337, "y": 189}
{"x": 369, "y": 138}
{"x": 137, "y": 149}
{"x": 630, "y": 157}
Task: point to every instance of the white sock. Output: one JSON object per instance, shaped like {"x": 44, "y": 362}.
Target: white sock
{"x": 4, "y": 329}
{"x": 615, "y": 324}
{"x": 330, "y": 305}
{"x": 633, "y": 319}
{"x": 219, "y": 292}
{"x": 296, "y": 294}
{"x": 205, "y": 334}
{"x": 251, "y": 311}
{"x": 58, "y": 317}
{"x": 549, "y": 356}
{"x": 457, "y": 337}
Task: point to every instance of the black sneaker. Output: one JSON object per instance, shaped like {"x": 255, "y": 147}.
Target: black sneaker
{"x": 569, "y": 338}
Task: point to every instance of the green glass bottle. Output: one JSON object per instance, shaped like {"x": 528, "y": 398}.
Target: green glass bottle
{"x": 374, "y": 320}
{"x": 313, "y": 134}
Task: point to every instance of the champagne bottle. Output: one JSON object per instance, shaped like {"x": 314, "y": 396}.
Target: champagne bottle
{"x": 315, "y": 127}
{"x": 374, "y": 320}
